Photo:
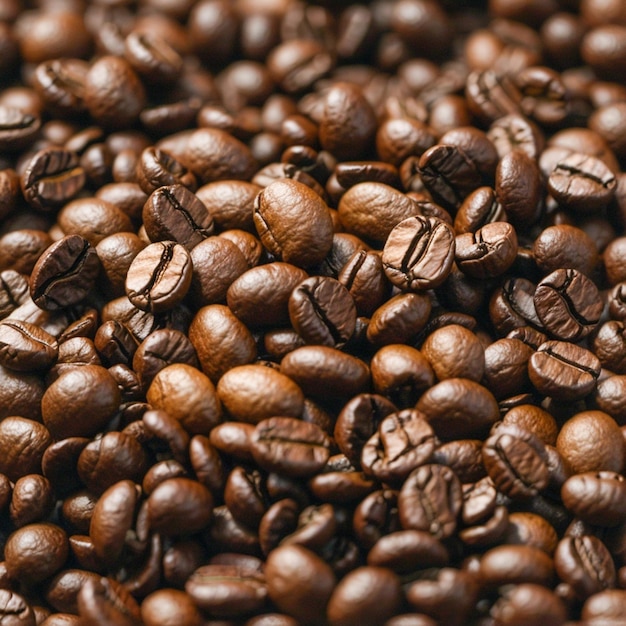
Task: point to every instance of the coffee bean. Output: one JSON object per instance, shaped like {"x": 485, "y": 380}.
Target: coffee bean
{"x": 159, "y": 276}
{"x": 419, "y": 253}
{"x": 595, "y": 497}
{"x": 322, "y": 311}
{"x": 25, "y": 347}
{"x": 289, "y": 446}
{"x": 64, "y": 273}
{"x": 582, "y": 182}
{"x": 403, "y": 442}
{"x": 563, "y": 370}
{"x": 293, "y": 223}
{"x": 19, "y": 127}
{"x": 430, "y": 500}
{"x": 488, "y": 252}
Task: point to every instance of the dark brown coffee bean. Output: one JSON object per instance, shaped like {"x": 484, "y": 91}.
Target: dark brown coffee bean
{"x": 299, "y": 582}
{"x": 516, "y": 132}
{"x": 403, "y": 442}
{"x": 596, "y": 497}
{"x": 112, "y": 519}
{"x": 35, "y": 552}
{"x": 260, "y": 296}
{"x": 582, "y": 183}
{"x": 565, "y": 246}
{"x": 15, "y": 610}
{"x": 157, "y": 168}
{"x": 419, "y": 253}
{"x": 516, "y": 462}
{"x": 289, "y": 446}
{"x": 213, "y": 154}
{"x": 449, "y": 174}
{"x": 563, "y": 370}
{"x": 584, "y": 563}
{"x": 64, "y": 273}
{"x": 399, "y": 320}
{"x": 326, "y": 373}
{"x": 458, "y": 408}
{"x": 19, "y": 127}
{"x": 430, "y": 500}
{"x": 514, "y": 605}
{"x": 322, "y": 311}
{"x": 511, "y": 564}
{"x": 172, "y": 605}
{"x": 367, "y": 595}
{"x": 114, "y": 95}
{"x": 152, "y": 57}
{"x": 490, "y": 96}
{"x": 179, "y": 505}
{"x": 174, "y": 213}
{"x": 227, "y": 590}
{"x": 108, "y": 603}
{"x": 568, "y": 304}
{"x": 25, "y": 347}
{"x": 51, "y": 178}
{"x": 488, "y": 252}
{"x": 479, "y": 208}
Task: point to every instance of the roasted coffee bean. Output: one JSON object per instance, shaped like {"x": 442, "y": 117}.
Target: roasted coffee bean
{"x": 289, "y": 446}
{"x": 418, "y": 254}
{"x": 568, "y": 304}
{"x": 512, "y": 306}
{"x": 372, "y": 209}
{"x": 584, "y": 563}
{"x": 159, "y": 277}
{"x": 107, "y": 602}
{"x": 322, "y": 311}
{"x": 449, "y": 174}
{"x": 403, "y": 442}
{"x": 25, "y": 347}
{"x": 565, "y": 246}
{"x": 516, "y": 462}
{"x": 516, "y": 132}
{"x": 488, "y": 252}
{"x": 174, "y": 213}
{"x": 35, "y": 552}
{"x": 582, "y": 182}
{"x": 252, "y": 393}
{"x": 490, "y": 96}
{"x": 293, "y": 223}
{"x": 563, "y": 370}
{"x": 430, "y": 500}
{"x": 227, "y": 590}
{"x": 399, "y": 320}
{"x": 511, "y": 564}
{"x": 595, "y": 497}
{"x": 366, "y": 595}
{"x": 64, "y": 273}
{"x": 19, "y": 127}
{"x": 457, "y": 408}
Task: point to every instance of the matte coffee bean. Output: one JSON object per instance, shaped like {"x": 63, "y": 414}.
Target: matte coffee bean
{"x": 64, "y": 273}
{"x": 418, "y": 254}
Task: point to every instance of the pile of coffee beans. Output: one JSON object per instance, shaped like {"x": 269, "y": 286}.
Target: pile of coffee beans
{"x": 312, "y": 313}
